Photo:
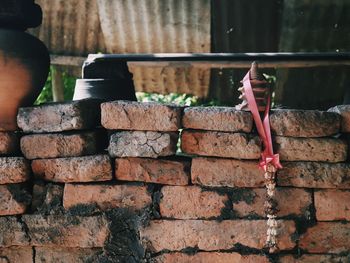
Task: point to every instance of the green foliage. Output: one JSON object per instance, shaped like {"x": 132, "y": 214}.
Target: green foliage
{"x": 178, "y": 99}
{"x": 69, "y": 85}
{"x": 46, "y": 94}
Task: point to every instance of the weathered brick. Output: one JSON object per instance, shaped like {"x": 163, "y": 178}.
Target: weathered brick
{"x": 326, "y": 237}
{"x": 314, "y": 175}
{"x": 47, "y": 198}
{"x": 226, "y": 172}
{"x": 332, "y": 205}
{"x": 190, "y": 202}
{"x": 14, "y": 199}
{"x": 12, "y": 232}
{"x": 210, "y": 257}
{"x": 221, "y": 144}
{"x": 106, "y": 196}
{"x": 59, "y": 145}
{"x": 57, "y": 117}
{"x": 65, "y": 255}
{"x": 67, "y": 231}
{"x": 74, "y": 169}
{"x": 217, "y": 119}
{"x": 304, "y": 123}
{"x": 311, "y": 149}
{"x": 14, "y": 170}
{"x": 290, "y": 201}
{"x": 16, "y": 255}
{"x": 9, "y": 143}
{"x": 157, "y": 171}
{"x": 142, "y": 144}
{"x": 344, "y": 111}
{"x": 141, "y": 116}
{"x": 314, "y": 259}
{"x": 176, "y": 235}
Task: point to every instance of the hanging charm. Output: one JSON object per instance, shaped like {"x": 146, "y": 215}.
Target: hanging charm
{"x": 256, "y": 97}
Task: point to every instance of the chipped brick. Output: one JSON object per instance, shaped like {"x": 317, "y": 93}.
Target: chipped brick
{"x": 142, "y": 144}
{"x": 9, "y": 143}
{"x": 210, "y": 257}
{"x": 14, "y": 199}
{"x": 74, "y": 169}
{"x": 67, "y": 231}
{"x": 140, "y": 116}
{"x": 12, "y": 232}
{"x": 225, "y": 119}
{"x": 344, "y": 111}
{"x": 304, "y": 123}
{"x": 332, "y": 205}
{"x": 176, "y": 235}
{"x": 106, "y": 196}
{"x": 221, "y": 144}
{"x": 59, "y": 145}
{"x": 57, "y": 117}
{"x": 190, "y": 202}
{"x": 14, "y": 170}
{"x": 148, "y": 170}
{"x": 311, "y": 149}
{"x": 226, "y": 172}
{"x": 314, "y": 175}
{"x": 326, "y": 237}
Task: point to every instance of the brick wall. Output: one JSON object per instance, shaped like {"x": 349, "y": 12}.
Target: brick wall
{"x": 84, "y": 182}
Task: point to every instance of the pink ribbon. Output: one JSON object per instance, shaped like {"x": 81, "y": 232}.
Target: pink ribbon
{"x": 263, "y": 126}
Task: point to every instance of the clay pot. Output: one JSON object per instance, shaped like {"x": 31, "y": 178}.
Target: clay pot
{"x": 24, "y": 67}
{"x": 104, "y": 89}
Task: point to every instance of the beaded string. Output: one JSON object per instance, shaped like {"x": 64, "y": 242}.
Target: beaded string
{"x": 255, "y": 84}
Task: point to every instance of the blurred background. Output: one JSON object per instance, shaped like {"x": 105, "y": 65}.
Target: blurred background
{"x": 73, "y": 29}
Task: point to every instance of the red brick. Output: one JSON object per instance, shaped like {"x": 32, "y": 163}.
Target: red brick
{"x": 47, "y": 198}
{"x": 304, "y": 123}
{"x": 157, "y": 171}
{"x": 75, "y": 169}
{"x": 57, "y": 117}
{"x": 12, "y": 232}
{"x": 344, "y": 111}
{"x": 217, "y": 119}
{"x": 14, "y": 170}
{"x": 106, "y": 196}
{"x": 226, "y": 172}
{"x": 314, "y": 175}
{"x": 141, "y": 116}
{"x": 59, "y": 145}
{"x": 16, "y": 255}
{"x": 142, "y": 144}
{"x": 210, "y": 257}
{"x": 14, "y": 199}
{"x": 332, "y": 205}
{"x": 190, "y": 202}
{"x": 326, "y": 237}
{"x": 176, "y": 235}
{"x": 9, "y": 143}
{"x": 67, "y": 231}
{"x": 311, "y": 149}
{"x": 221, "y": 144}
{"x": 291, "y": 201}
{"x": 65, "y": 255}
{"x": 314, "y": 259}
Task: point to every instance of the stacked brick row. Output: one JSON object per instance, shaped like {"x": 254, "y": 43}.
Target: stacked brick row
{"x": 61, "y": 144}
{"x": 14, "y": 173}
{"x": 112, "y": 188}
